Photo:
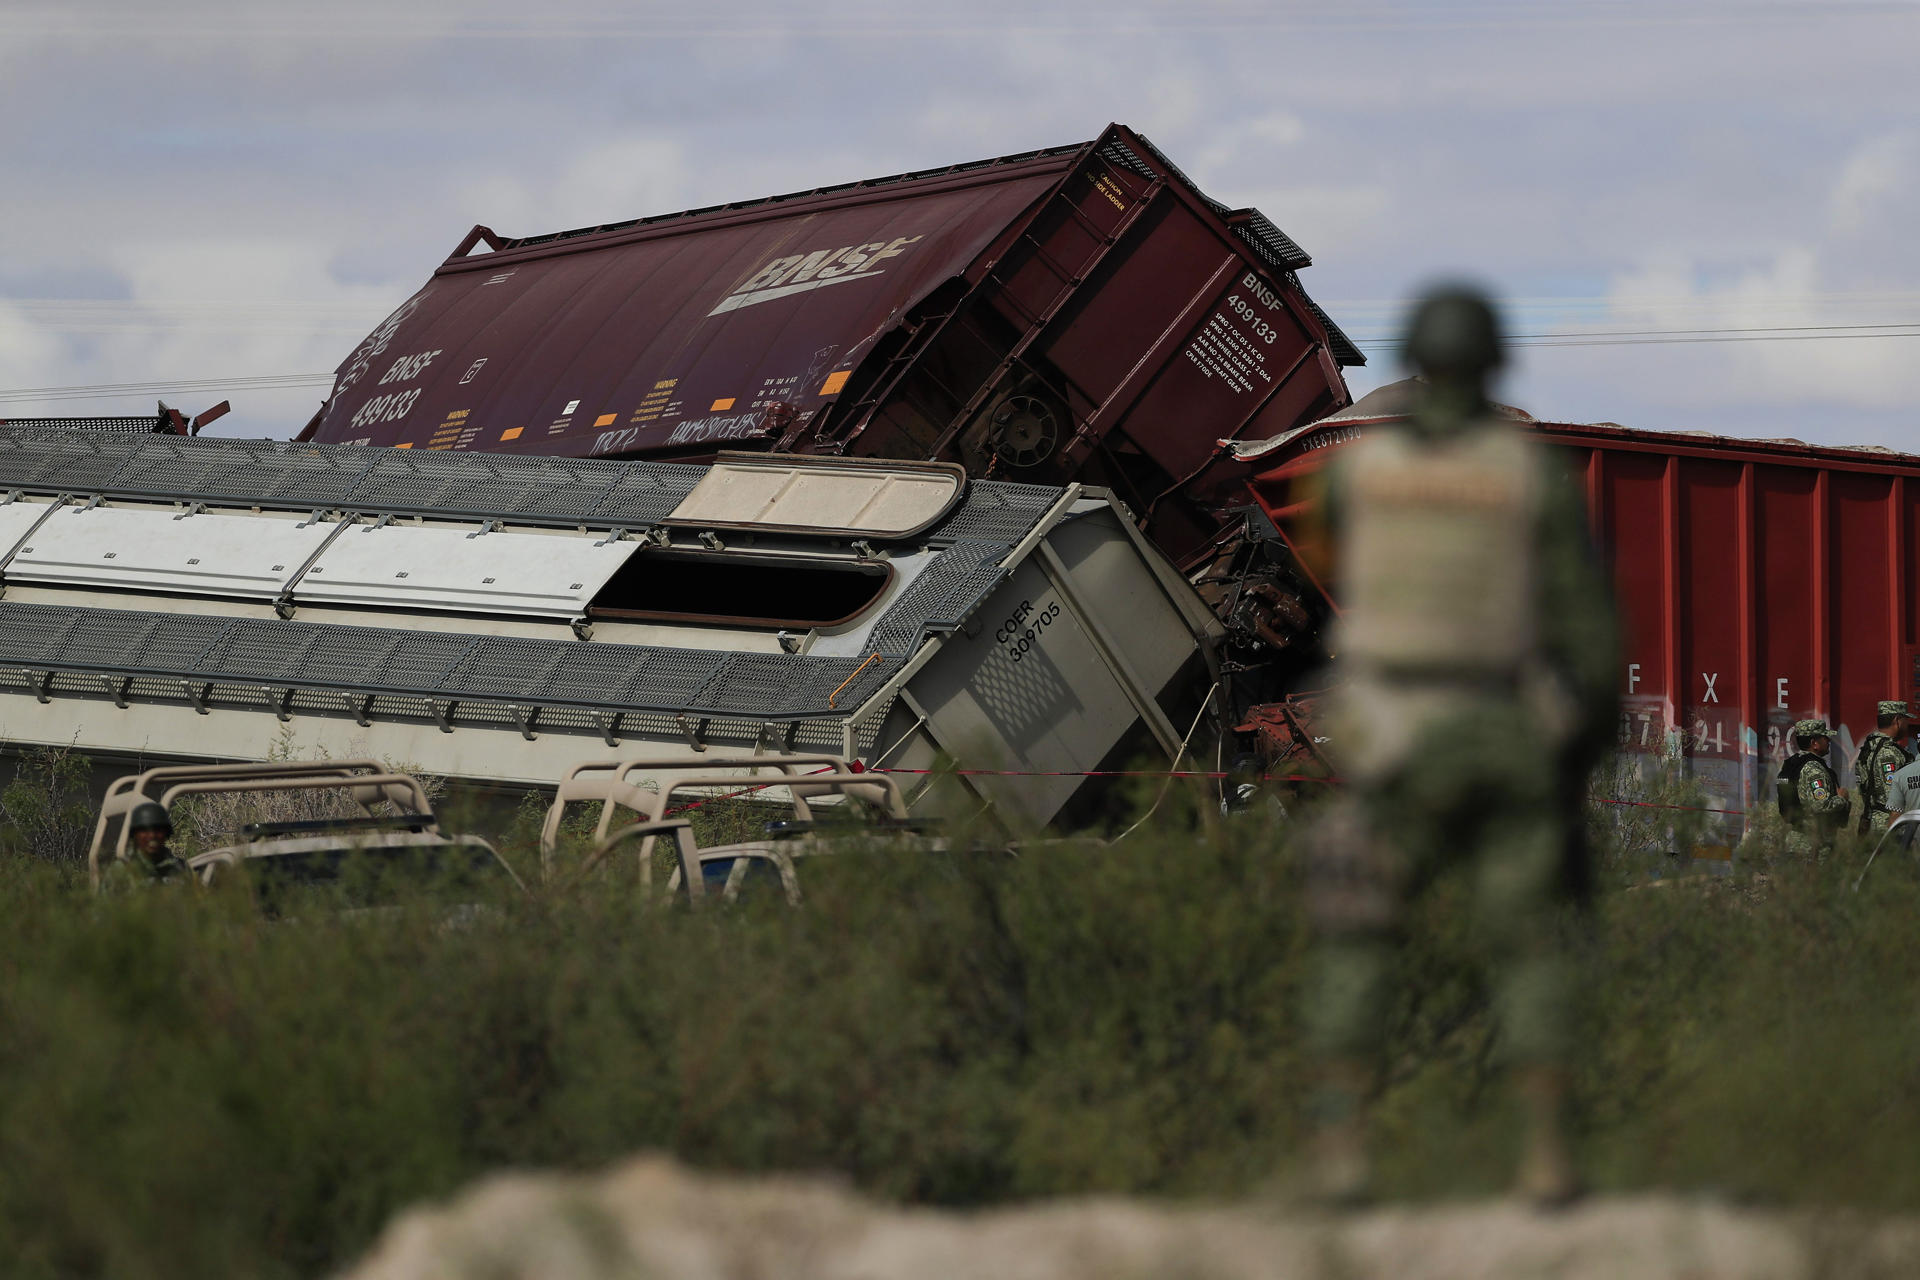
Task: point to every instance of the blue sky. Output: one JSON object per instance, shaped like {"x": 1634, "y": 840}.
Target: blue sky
{"x": 203, "y": 193}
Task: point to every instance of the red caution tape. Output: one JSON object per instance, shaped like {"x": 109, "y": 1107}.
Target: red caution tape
{"x": 856, "y": 766}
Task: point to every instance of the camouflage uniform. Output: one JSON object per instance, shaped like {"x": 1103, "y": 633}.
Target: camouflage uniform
{"x": 1879, "y": 759}
{"x": 1476, "y": 664}
{"x": 1810, "y": 798}
{"x": 137, "y": 871}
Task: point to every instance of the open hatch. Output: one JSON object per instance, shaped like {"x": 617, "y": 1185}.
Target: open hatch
{"x": 722, "y": 588}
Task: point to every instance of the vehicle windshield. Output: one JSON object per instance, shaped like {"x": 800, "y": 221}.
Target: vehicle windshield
{"x": 761, "y": 875}
{"x": 350, "y": 878}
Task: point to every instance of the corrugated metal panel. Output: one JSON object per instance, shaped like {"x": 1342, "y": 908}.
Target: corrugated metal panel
{"x": 1760, "y": 582}
{"x": 1754, "y": 593}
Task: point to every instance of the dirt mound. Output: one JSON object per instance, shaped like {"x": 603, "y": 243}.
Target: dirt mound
{"x": 651, "y": 1218}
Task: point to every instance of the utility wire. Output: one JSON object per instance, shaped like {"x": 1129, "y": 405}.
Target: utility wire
{"x": 1563, "y": 338}
{"x": 1666, "y": 337}
{"x": 361, "y": 24}
{"x": 142, "y": 390}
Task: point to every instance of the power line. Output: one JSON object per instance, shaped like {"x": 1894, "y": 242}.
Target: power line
{"x": 1688, "y": 333}
{"x": 184, "y": 386}
{"x": 1565, "y": 338}
{"x": 1680, "y": 337}
{"x": 361, "y": 23}
{"x": 1654, "y": 342}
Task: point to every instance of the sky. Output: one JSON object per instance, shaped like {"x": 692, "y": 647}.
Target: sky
{"x": 1699, "y": 214}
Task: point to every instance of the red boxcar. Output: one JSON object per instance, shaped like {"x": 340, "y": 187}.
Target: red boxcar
{"x": 1760, "y": 581}
{"x": 1081, "y": 313}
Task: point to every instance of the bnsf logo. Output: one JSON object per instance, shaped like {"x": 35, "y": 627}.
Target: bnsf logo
{"x": 816, "y": 270}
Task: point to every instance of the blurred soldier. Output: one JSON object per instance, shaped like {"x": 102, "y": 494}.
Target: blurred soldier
{"x": 150, "y": 831}
{"x": 1811, "y": 799}
{"x": 1476, "y": 664}
{"x": 1882, "y": 755}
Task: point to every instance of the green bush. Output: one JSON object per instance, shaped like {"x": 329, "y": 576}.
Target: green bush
{"x": 46, "y": 811}
{"x": 187, "y": 1090}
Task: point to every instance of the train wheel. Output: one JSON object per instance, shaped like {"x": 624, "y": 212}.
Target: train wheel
{"x": 1026, "y": 429}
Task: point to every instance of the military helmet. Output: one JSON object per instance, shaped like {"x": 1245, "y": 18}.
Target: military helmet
{"x": 1454, "y": 333}
{"x": 1811, "y": 729}
{"x": 1892, "y": 707}
{"x": 149, "y": 815}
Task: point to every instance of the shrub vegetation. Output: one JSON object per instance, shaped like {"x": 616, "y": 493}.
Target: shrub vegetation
{"x": 188, "y": 1090}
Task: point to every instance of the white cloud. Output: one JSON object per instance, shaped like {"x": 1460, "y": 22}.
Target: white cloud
{"x": 1878, "y": 168}
{"x": 1675, "y": 166}
{"x": 1282, "y": 128}
{"x": 1327, "y": 220}
{"x": 29, "y": 356}
{"x": 1796, "y": 341}
{"x": 1175, "y": 101}
{"x": 608, "y": 180}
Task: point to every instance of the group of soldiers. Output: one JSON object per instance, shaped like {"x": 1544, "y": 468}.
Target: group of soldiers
{"x": 1816, "y": 808}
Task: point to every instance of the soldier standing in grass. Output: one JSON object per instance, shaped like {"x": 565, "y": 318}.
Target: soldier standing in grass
{"x": 1882, "y": 755}
{"x": 1476, "y": 665}
{"x": 1811, "y": 799}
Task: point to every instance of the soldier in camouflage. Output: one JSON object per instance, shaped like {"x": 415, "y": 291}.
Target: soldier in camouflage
{"x": 152, "y": 860}
{"x": 1812, "y": 801}
{"x": 1881, "y": 755}
{"x": 1476, "y": 671}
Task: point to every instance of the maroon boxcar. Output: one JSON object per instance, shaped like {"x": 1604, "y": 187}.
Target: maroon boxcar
{"x": 1760, "y": 581}
{"x": 1080, "y": 313}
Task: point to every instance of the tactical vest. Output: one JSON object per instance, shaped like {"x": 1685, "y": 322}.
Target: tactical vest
{"x": 1786, "y": 788}
{"x": 1871, "y": 772}
{"x": 1438, "y": 562}
{"x": 1876, "y": 764}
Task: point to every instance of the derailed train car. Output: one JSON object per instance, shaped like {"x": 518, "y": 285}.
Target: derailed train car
{"x": 477, "y": 544}
{"x": 1760, "y": 582}
{"x": 1080, "y": 322}
{"x": 502, "y": 619}
{"x": 1080, "y": 314}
